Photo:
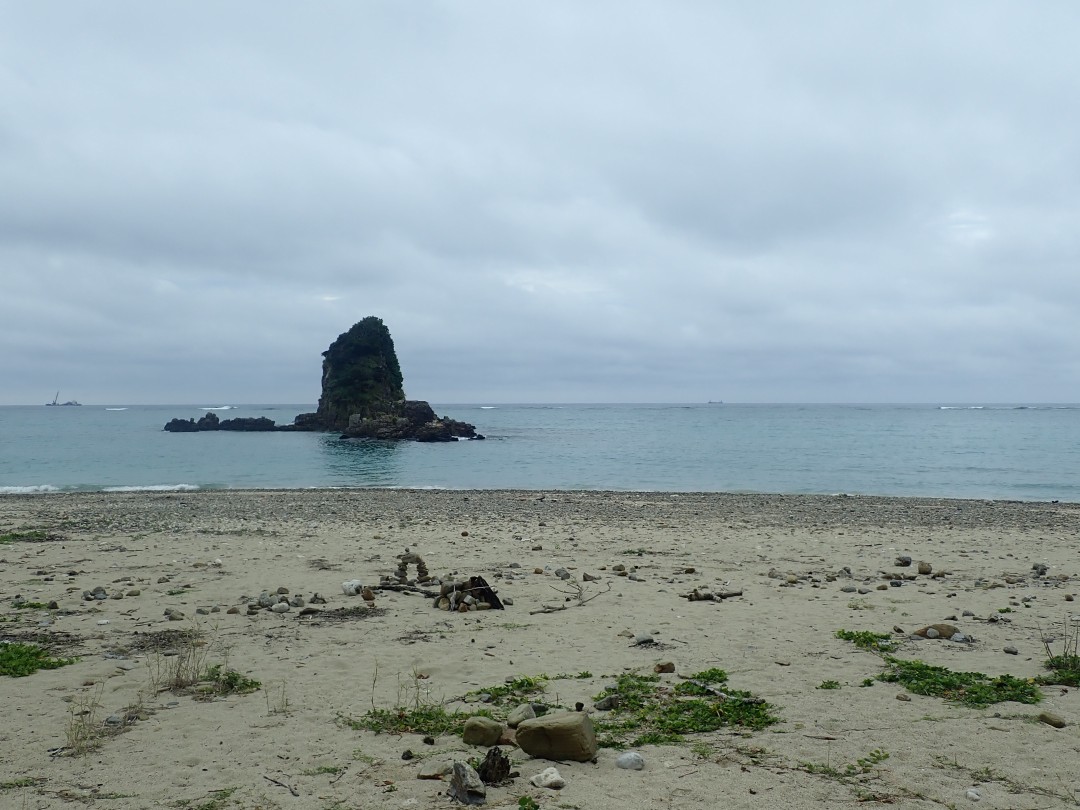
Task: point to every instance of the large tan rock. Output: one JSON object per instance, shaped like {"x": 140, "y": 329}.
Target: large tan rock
{"x": 562, "y": 736}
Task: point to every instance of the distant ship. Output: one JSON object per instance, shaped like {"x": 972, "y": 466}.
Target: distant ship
{"x": 56, "y": 401}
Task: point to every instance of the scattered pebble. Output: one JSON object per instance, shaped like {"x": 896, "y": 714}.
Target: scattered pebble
{"x": 1052, "y": 719}
{"x": 630, "y": 760}
{"x": 549, "y": 778}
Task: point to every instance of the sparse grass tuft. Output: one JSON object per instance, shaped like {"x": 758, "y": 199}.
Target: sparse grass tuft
{"x": 829, "y": 685}
{"x": 25, "y": 782}
{"x": 847, "y": 771}
{"x": 84, "y": 727}
{"x": 1064, "y": 666}
{"x": 518, "y": 690}
{"x": 26, "y": 536}
{"x": 424, "y": 719}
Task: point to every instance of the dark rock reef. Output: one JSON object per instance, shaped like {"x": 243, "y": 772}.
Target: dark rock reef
{"x": 211, "y": 422}
{"x": 362, "y": 397}
{"x": 409, "y": 419}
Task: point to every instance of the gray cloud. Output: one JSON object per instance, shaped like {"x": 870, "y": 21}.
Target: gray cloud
{"x": 544, "y": 202}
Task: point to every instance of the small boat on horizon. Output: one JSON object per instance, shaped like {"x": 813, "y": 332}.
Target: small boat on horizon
{"x": 56, "y": 401}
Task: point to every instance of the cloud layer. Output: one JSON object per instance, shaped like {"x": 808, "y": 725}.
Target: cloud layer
{"x": 544, "y": 202}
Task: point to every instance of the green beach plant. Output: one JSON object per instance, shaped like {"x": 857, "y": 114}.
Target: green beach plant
{"x": 973, "y": 689}
{"x": 869, "y": 640}
{"x": 647, "y": 713}
{"x": 19, "y": 660}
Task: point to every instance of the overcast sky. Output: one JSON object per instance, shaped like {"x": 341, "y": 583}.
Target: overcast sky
{"x": 544, "y": 201}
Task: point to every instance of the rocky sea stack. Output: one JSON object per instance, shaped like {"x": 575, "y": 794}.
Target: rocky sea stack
{"x": 362, "y": 396}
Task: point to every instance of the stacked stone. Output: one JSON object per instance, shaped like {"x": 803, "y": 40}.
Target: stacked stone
{"x": 407, "y": 559}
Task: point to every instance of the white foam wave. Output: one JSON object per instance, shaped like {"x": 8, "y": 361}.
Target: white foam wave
{"x": 487, "y": 407}
{"x": 153, "y": 488}
{"x": 34, "y": 490}
{"x": 219, "y": 408}
{"x": 116, "y": 409}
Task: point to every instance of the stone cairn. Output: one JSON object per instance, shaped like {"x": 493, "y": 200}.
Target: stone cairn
{"x": 402, "y": 573}
{"x": 455, "y": 594}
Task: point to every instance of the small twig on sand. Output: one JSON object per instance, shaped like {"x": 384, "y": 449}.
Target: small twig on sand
{"x": 578, "y": 592}
{"x": 289, "y": 788}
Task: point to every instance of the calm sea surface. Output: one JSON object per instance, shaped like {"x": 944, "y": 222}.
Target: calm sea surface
{"x": 1002, "y": 451}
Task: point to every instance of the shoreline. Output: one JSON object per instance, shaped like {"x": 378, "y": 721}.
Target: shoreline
{"x": 806, "y": 565}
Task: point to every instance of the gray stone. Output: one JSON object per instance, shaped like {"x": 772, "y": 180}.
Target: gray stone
{"x": 520, "y": 714}
{"x": 465, "y": 784}
{"x": 481, "y": 731}
{"x": 561, "y": 736}
{"x": 435, "y": 769}
{"x": 630, "y": 760}
{"x": 281, "y": 607}
{"x": 1011, "y": 650}
{"x": 549, "y": 778}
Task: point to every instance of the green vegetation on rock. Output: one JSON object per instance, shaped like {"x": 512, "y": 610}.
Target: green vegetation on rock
{"x": 360, "y": 375}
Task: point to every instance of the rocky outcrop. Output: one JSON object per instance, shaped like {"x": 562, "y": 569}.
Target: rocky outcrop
{"x": 210, "y": 421}
{"x": 362, "y": 394}
{"x": 360, "y": 376}
{"x": 362, "y": 397}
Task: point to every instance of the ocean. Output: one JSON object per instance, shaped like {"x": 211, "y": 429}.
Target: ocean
{"x": 1002, "y": 452}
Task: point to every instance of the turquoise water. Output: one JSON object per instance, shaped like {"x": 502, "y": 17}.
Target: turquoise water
{"x": 1002, "y": 452}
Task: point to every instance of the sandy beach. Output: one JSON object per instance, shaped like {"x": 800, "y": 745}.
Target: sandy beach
{"x": 107, "y": 731}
